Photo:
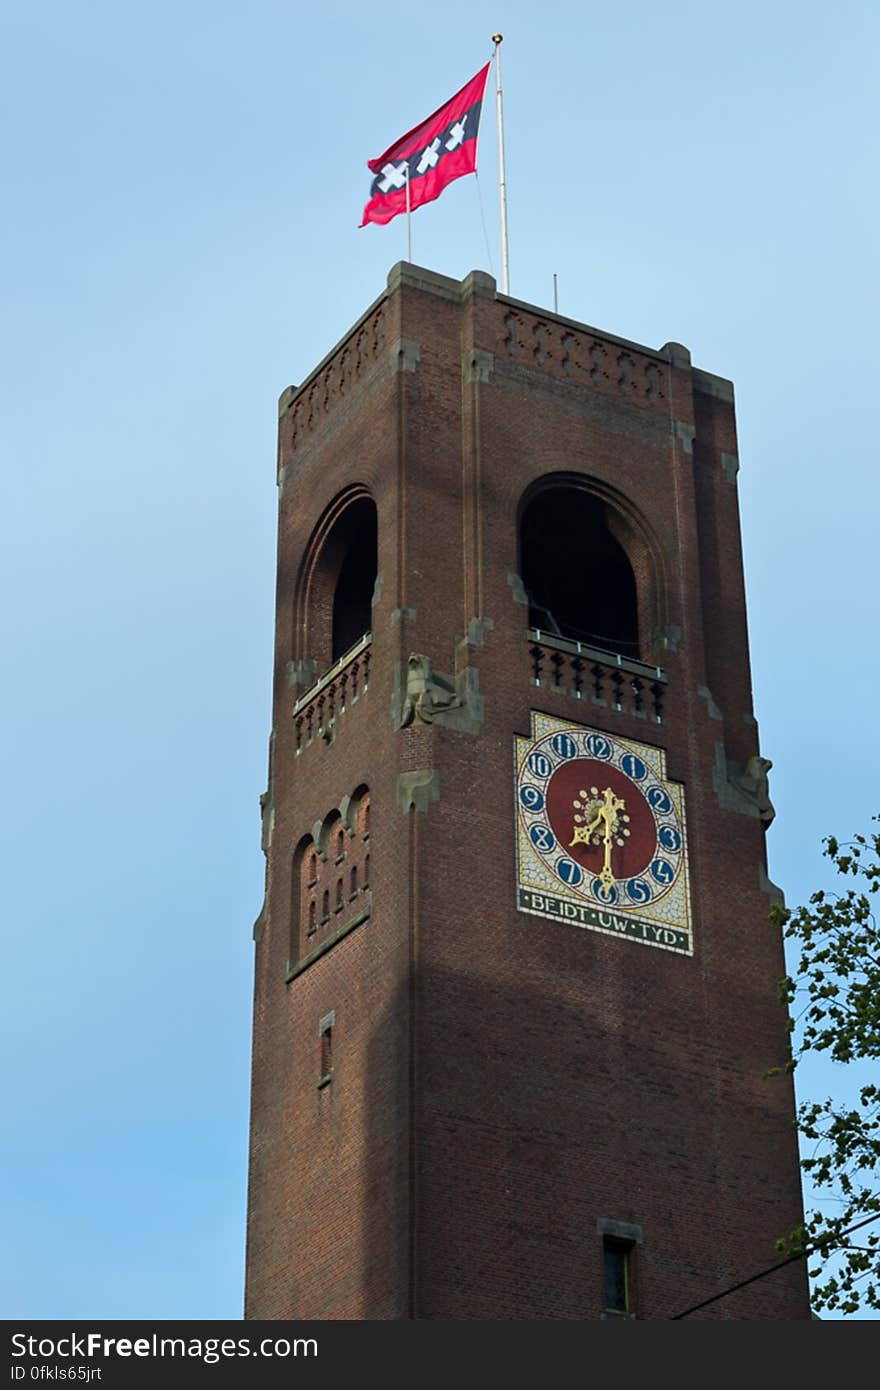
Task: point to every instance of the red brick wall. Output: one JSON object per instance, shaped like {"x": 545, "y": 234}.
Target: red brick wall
{"x": 502, "y": 1082}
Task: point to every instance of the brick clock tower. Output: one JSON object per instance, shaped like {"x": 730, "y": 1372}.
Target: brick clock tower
{"x": 515, "y": 981}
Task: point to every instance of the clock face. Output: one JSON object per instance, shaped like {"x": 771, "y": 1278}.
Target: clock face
{"x": 601, "y": 827}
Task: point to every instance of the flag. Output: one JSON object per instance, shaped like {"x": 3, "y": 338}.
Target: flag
{"x": 442, "y": 148}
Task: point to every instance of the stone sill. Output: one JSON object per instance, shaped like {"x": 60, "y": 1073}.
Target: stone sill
{"x": 325, "y": 946}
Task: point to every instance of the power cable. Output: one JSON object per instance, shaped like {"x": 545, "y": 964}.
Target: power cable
{"x": 802, "y": 1255}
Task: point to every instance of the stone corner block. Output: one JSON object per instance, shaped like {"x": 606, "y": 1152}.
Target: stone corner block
{"x": 416, "y": 789}
{"x": 402, "y": 615}
{"x": 708, "y": 384}
{"x": 405, "y": 355}
{"x": 773, "y": 891}
{"x": 518, "y": 588}
{"x": 478, "y": 365}
{"x": 416, "y": 277}
{"x": 676, "y": 354}
{"x": 477, "y": 282}
{"x": 300, "y": 673}
{"x": 668, "y": 637}
{"x": 730, "y": 464}
{"x": 477, "y": 629}
{"x": 285, "y": 400}
{"x": 714, "y": 711}
{"x": 260, "y": 923}
{"x": 685, "y": 434}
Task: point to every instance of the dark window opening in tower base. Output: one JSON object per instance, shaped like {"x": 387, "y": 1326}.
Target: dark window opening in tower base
{"x": 616, "y": 1255}
{"x": 577, "y": 575}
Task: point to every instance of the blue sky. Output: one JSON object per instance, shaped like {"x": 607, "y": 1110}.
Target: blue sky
{"x": 182, "y": 188}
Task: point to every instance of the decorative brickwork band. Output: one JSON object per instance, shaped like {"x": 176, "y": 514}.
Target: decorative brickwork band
{"x": 347, "y": 368}
{"x": 584, "y": 358}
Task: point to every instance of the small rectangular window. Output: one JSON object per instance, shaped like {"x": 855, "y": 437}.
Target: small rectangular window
{"x": 616, "y": 1259}
{"x": 325, "y": 1035}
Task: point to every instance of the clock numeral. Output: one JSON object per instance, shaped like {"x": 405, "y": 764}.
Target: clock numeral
{"x": 658, "y": 800}
{"x": 569, "y": 872}
{"x": 633, "y": 767}
{"x": 531, "y": 798}
{"x": 605, "y": 895}
{"x": 599, "y": 746}
{"x": 662, "y": 871}
{"x": 542, "y": 838}
{"x": 540, "y": 764}
{"x": 669, "y": 838}
{"x": 639, "y": 891}
{"x": 564, "y": 745}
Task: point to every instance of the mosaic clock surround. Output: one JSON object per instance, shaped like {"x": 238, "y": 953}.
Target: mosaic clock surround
{"x": 601, "y": 835}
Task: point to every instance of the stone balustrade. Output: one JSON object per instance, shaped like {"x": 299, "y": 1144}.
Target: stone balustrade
{"x": 597, "y": 677}
{"x": 318, "y": 708}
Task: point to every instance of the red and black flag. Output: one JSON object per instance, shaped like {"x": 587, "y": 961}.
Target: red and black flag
{"x": 434, "y": 153}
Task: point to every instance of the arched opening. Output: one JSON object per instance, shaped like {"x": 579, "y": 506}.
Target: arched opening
{"x": 303, "y": 904}
{"x": 336, "y": 583}
{"x": 353, "y": 595}
{"x": 577, "y": 575}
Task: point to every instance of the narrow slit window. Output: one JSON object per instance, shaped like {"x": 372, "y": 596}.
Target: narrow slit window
{"x": 325, "y": 905}
{"x": 617, "y": 1273}
{"x": 353, "y": 882}
{"x": 325, "y": 1038}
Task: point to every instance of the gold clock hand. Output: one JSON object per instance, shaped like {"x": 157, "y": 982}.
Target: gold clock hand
{"x": 606, "y": 876}
{"x": 613, "y": 804}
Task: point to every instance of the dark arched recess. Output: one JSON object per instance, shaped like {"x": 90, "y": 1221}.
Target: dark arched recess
{"x": 588, "y": 567}
{"x": 333, "y": 608}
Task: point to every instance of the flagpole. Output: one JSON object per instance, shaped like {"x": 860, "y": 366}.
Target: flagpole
{"x": 408, "y": 219}
{"x": 502, "y": 185}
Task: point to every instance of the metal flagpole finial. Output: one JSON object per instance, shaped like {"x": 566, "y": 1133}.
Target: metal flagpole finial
{"x": 497, "y": 39}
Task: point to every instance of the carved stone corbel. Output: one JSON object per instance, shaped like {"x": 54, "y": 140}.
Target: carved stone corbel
{"x": 429, "y": 697}
{"x": 744, "y": 787}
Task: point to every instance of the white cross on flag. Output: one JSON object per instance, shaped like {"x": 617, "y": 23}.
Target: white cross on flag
{"x": 442, "y": 148}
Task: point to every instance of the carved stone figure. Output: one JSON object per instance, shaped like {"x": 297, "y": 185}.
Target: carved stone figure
{"x": 754, "y": 784}
{"x": 428, "y": 694}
